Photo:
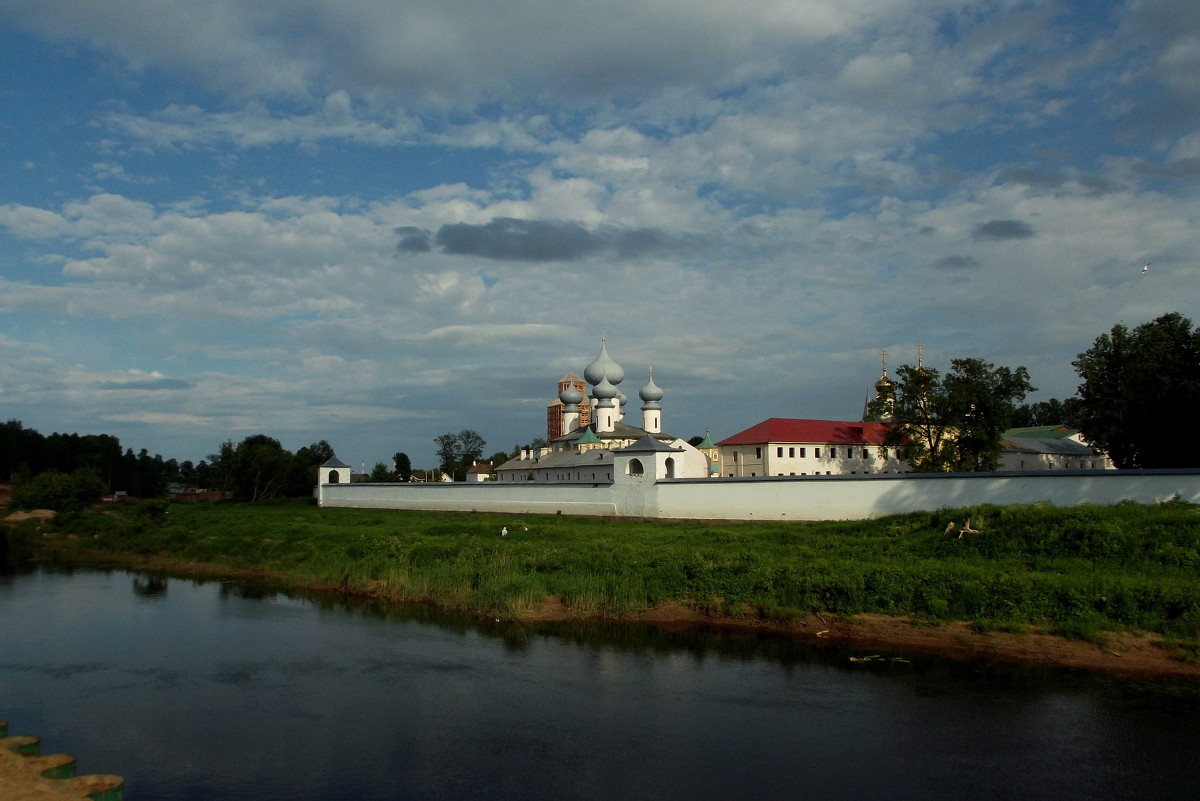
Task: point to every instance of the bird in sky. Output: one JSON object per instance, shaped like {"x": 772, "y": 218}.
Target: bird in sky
{"x": 1145, "y": 268}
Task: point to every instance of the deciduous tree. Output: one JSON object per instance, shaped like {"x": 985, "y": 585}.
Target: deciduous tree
{"x": 257, "y": 468}
{"x": 62, "y": 492}
{"x": 457, "y": 451}
{"x": 1139, "y": 391}
{"x": 403, "y": 465}
{"x": 955, "y": 423}
{"x": 1052, "y": 412}
{"x": 448, "y": 451}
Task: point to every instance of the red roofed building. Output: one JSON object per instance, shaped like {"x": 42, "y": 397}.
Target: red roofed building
{"x": 782, "y": 446}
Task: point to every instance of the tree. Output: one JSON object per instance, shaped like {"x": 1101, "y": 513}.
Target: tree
{"x": 380, "y": 473}
{"x": 20, "y": 450}
{"x": 498, "y": 458}
{"x": 983, "y": 399}
{"x": 403, "y": 465}
{"x": 258, "y": 467}
{"x": 1135, "y": 385}
{"x": 448, "y": 451}
{"x": 457, "y": 451}
{"x": 220, "y": 467}
{"x": 303, "y": 473}
{"x": 470, "y": 446}
{"x": 62, "y": 492}
{"x": 955, "y": 423}
{"x": 1052, "y": 412}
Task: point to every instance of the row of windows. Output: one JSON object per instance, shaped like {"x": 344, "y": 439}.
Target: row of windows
{"x": 827, "y": 472}
{"x": 848, "y": 452}
{"x": 1067, "y": 465}
{"x": 607, "y": 476}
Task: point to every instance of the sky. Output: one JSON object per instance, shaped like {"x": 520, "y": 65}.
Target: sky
{"x": 372, "y": 223}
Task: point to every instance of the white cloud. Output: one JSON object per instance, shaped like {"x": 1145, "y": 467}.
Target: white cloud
{"x": 871, "y": 76}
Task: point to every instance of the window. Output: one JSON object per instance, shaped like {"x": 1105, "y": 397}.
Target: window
{"x": 866, "y": 454}
{"x": 817, "y": 452}
{"x": 792, "y": 453}
{"x": 802, "y": 450}
{"x": 833, "y": 453}
{"x": 779, "y": 452}
{"x": 758, "y": 453}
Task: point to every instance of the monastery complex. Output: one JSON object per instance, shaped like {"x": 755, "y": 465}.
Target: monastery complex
{"x": 604, "y": 457}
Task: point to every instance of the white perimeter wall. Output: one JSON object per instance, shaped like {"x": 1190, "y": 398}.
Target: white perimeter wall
{"x": 525, "y": 497}
{"x": 776, "y": 498}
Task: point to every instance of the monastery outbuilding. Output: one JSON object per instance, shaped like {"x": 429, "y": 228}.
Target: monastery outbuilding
{"x": 791, "y": 447}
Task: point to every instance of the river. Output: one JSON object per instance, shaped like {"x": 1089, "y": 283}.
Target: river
{"x": 207, "y": 691}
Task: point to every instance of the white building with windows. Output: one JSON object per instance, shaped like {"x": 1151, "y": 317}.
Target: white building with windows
{"x": 782, "y": 446}
{"x": 1050, "y": 448}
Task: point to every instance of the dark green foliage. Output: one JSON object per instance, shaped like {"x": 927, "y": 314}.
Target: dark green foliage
{"x": 260, "y": 468}
{"x": 1135, "y": 383}
{"x": 61, "y": 492}
{"x": 403, "y": 465}
{"x": 1052, "y": 412}
{"x": 955, "y": 422}
{"x": 1081, "y": 570}
{"x": 25, "y": 453}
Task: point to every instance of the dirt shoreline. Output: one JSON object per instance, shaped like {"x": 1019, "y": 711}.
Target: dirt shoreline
{"x": 1131, "y": 654}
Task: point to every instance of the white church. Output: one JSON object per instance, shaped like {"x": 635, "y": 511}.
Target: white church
{"x": 595, "y": 452}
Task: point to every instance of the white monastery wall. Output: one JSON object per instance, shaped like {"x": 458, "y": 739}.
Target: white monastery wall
{"x": 521, "y": 498}
{"x": 853, "y": 497}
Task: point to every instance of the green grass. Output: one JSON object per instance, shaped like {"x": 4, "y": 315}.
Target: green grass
{"x": 1078, "y": 571}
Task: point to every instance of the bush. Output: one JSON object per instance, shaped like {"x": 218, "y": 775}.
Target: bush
{"x": 62, "y": 492}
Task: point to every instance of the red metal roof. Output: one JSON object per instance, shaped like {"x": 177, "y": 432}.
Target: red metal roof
{"x": 834, "y": 432}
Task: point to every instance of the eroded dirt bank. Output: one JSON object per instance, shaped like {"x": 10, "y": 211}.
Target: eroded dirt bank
{"x": 1123, "y": 653}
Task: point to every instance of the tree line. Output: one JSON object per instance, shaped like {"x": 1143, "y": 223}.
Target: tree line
{"x": 25, "y": 453}
{"x": 66, "y": 471}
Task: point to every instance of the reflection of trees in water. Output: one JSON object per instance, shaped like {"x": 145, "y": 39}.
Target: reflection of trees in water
{"x": 249, "y": 592}
{"x": 149, "y": 586}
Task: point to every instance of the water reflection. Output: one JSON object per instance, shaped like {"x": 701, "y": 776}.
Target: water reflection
{"x": 147, "y": 586}
{"x": 221, "y": 690}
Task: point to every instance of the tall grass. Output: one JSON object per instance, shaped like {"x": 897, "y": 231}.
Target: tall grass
{"x": 1080, "y": 570}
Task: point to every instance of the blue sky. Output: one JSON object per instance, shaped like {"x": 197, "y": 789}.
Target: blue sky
{"x": 374, "y": 223}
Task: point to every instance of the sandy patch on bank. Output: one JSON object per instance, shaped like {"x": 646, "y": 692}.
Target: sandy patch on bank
{"x": 35, "y": 514}
{"x": 21, "y": 780}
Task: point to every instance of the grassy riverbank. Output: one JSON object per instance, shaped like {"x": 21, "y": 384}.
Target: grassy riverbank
{"x": 1080, "y": 572}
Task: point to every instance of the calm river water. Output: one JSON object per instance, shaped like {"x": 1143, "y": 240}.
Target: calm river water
{"x": 212, "y": 691}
